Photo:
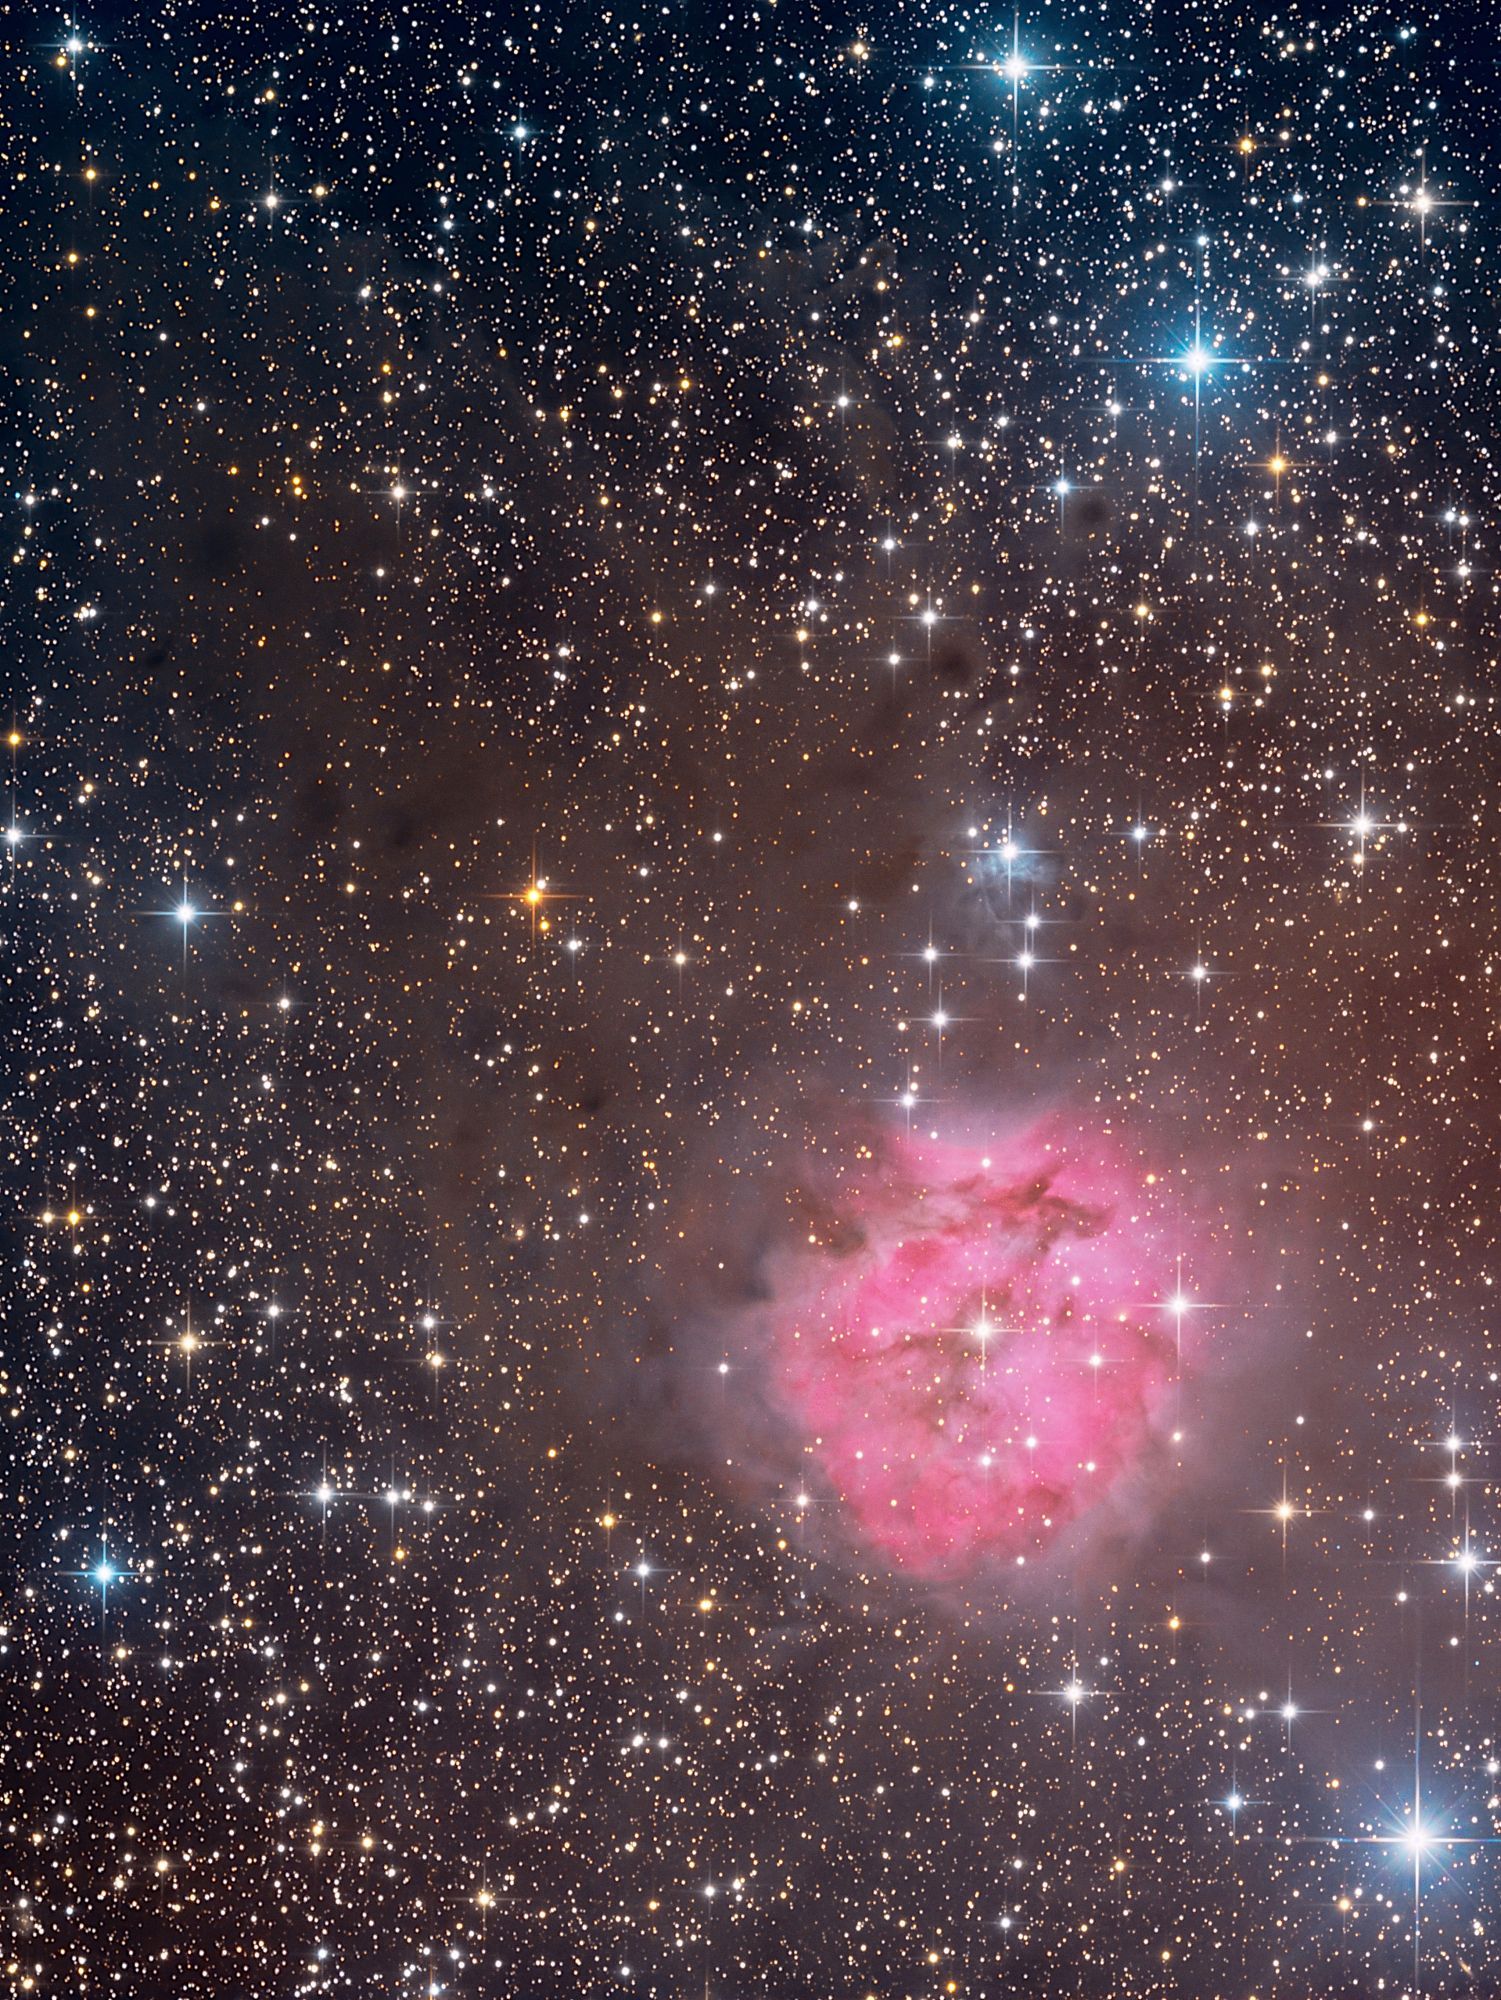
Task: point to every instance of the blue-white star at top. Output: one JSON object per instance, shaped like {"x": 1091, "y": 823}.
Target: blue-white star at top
{"x": 186, "y": 914}
{"x": 103, "y": 1574}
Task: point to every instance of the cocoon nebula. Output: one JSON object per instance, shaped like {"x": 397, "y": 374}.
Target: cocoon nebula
{"x": 992, "y": 1345}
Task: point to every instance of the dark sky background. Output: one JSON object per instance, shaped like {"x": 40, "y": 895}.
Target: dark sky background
{"x": 635, "y": 635}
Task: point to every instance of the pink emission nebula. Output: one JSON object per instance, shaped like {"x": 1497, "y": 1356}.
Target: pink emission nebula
{"x": 995, "y": 1358}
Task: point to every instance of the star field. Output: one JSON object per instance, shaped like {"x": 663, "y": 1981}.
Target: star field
{"x": 750, "y": 958}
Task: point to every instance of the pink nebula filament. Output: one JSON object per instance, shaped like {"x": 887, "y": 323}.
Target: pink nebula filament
{"x": 990, "y": 1361}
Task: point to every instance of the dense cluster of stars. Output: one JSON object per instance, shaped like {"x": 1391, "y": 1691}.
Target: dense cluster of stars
{"x": 641, "y": 642}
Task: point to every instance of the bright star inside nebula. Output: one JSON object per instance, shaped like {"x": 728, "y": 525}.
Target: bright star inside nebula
{"x": 997, "y": 1356}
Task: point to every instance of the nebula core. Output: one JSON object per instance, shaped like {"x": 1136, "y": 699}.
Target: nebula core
{"x": 992, "y": 1359}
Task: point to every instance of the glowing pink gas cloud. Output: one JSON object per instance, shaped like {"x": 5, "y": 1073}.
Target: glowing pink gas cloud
{"x": 992, "y": 1358}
